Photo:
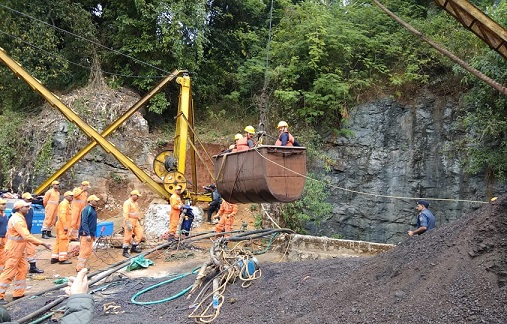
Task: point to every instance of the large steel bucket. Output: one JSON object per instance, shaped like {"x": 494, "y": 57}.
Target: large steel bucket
{"x": 265, "y": 174}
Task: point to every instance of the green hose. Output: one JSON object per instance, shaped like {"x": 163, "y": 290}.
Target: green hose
{"x": 181, "y": 293}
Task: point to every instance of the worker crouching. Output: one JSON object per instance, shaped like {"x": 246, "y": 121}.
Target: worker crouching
{"x": 227, "y": 213}
{"x": 131, "y": 224}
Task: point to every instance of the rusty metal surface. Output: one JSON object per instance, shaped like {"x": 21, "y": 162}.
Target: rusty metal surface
{"x": 265, "y": 174}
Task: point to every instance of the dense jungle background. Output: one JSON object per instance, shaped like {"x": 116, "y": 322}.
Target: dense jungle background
{"x": 311, "y": 63}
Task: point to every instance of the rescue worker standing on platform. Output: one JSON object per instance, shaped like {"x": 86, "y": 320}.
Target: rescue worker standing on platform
{"x": 285, "y": 138}
{"x": 131, "y": 224}
{"x": 15, "y": 265}
{"x": 246, "y": 142}
{"x": 174, "y": 216}
{"x": 62, "y": 231}
{"x": 30, "y": 247}
{"x": 87, "y": 231}
{"x": 227, "y": 213}
{"x": 78, "y": 203}
{"x": 50, "y": 202}
{"x": 3, "y": 231}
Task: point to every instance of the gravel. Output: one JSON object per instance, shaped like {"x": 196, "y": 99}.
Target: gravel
{"x": 456, "y": 273}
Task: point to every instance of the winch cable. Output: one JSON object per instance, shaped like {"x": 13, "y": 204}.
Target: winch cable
{"x": 368, "y": 193}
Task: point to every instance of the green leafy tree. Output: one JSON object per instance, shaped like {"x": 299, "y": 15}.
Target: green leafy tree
{"x": 312, "y": 207}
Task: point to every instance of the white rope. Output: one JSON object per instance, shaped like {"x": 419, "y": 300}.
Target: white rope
{"x": 367, "y": 193}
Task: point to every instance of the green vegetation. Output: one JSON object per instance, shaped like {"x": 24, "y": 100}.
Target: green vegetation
{"x": 311, "y": 207}
{"x": 324, "y": 58}
{"x": 11, "y": 125}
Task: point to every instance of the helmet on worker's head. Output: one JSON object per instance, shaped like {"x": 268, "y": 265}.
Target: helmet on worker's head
{"x": 250, "y": 129}
{"x": 282, "y": 124}
{"x": 238, "y": 136}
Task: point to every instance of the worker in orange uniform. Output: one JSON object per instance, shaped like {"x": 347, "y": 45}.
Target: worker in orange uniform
{"x": 131, "y": 224}
{"x": 3, "y": 231}
{"x": 62, "y": 230}
{"x": 227, "y": 213}
{"x": 15, "y": 265}
{"x": 30, "y": 247}
{"x": 174, "y": 216}
{"x": 285, "y": 138}
{"x": 87, "y": 231}
{"x": 246, "y": 142}
{"x": 50, "y": 202}
{"x": 77, "y": 205}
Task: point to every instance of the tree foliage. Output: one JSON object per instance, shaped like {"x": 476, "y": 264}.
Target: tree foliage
{"x": 309, "y": 64}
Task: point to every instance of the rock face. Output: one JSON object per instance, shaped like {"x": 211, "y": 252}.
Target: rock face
{"x": 395, "y": 156}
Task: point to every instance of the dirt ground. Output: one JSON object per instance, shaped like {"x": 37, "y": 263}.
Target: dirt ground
{"x": 456, "y": 273}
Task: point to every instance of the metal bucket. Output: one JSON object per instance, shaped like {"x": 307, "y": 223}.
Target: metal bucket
{"x": 265, "y": 174}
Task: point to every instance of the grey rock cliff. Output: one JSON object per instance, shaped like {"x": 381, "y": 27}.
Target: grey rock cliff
{"x": 395, "y": 156}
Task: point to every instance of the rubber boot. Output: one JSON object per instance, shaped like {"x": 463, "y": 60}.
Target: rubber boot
{"x": 45, "y": 235}
{"x": 34, "y": 269}
{"x": 126, "y": 252}
{"x": 48, "y": 233}
{"x": 65, "y": 262}
{"x": 135, "y": 249}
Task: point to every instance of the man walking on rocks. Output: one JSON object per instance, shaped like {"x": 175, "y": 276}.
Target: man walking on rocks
{"x": 131, "y": 224}
{"x": 425, "y": 219}
{"x": 50, "y": 202}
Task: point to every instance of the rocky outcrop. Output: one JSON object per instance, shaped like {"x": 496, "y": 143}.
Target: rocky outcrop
{"x": 396, "y": 155}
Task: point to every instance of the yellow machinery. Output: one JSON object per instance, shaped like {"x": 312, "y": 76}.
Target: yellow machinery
{"x": 494, "y": 35}
{"x": 184, "y": 123}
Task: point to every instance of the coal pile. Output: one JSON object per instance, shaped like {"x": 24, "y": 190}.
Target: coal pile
{"x": 456, "y": 273}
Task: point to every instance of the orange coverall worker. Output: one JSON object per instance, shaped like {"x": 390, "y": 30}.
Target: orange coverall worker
{"x": 227, "y": 214}
{"x": 131, "y": 224}
{"x": 50, "y": 202}
{"x": 77, "y": 205}
{"x": 16, "y": 266}
{"x": 62, "y": 232}
{"x": 174, "y": 216}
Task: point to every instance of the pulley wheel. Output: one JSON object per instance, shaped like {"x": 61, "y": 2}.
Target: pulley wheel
{"x": 174, "y": 178}
{"x": 160, "y": 163}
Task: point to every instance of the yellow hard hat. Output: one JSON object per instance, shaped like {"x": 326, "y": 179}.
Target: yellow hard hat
{"x": 55, "y": 182}
{"x": 135, "y": 192}
{"x": 282, "y": 124}
{"x": 178, "y": 187}
{"x": 93, "y": 197}
{"x": 85, "y": 183}
{"x": 250, "y": 129}
{"x": 27, "y": 196}
{"x": 68, "y": 193}
{"x": 3, "y": 201}
{"x": 238, "y": 136}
